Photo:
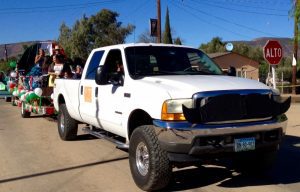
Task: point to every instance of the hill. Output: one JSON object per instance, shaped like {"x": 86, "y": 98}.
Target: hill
{"x": 15, "y": 49}
{"x": 286, "y": 43}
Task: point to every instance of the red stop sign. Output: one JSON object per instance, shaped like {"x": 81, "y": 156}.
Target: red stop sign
{"x": 273, "y": 52}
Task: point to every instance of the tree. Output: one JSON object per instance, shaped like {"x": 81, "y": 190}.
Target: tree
{"x": 4, "y": 66}
{"x": 177, "y": 41}
{"x": 107, "y": 30}
{"x": 146, "y": 37}
{"x": 167, "y": 36}
{"x": 88, "y": 33}
{"x": 215, "y": 45}
{"x": 64, "y": 38}
{"x": 255, "y": 53}
{"x": 24, "y": 46}
{"x": 80, "y": 43}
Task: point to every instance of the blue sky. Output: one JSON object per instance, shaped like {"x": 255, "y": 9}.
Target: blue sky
{"x": 194, "y": 21}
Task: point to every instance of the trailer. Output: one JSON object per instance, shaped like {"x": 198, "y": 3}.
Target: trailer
{"x": 35, "y": 100}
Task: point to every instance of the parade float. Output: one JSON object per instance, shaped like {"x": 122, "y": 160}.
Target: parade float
{"x": 31, "y": 92}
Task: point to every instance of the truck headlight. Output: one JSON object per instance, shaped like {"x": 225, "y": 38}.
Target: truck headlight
{"x": 276, "y": 95}
{"x": 172, "y": 109}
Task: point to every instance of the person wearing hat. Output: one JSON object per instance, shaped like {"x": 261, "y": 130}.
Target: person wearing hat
{"x": 57, "y": 50}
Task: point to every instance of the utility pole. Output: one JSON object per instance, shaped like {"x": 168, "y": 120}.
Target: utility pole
{"x": 295, "y": 48}
{"x": 5, "y": 51}
{"x": 158, "y": 22}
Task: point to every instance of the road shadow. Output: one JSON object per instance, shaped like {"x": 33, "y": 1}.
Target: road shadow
{"x": 35, "y": 116}
{"x": 85, "y": 137}
{"x": 47, "y": 117}
{"x": 286, "y": 170}
{"x": 197, "y": 177}
{"x": 52, "y": 118}
{"x": 60, "y": 170}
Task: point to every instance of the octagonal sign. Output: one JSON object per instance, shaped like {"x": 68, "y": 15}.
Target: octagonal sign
{"x": 273, "y": 52}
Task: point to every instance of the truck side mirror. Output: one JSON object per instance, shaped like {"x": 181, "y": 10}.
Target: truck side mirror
{"x": 117, "y": 79}
{"x": 101, "y": 75}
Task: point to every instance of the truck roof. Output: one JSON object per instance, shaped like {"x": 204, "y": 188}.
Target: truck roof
{"x": 123, "y": 46}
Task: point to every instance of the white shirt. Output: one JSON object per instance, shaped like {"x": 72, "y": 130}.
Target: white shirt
{"x": 58, "y": 68}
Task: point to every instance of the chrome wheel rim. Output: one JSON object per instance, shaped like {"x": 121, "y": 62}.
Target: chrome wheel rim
{"x": 142, "y": 158}
{"x": 62, "y": 122}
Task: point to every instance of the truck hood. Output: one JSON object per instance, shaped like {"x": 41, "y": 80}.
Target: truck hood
{"x": 184, "y": 86}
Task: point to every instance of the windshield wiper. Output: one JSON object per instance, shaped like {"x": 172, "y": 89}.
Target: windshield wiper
{"x": 169, "y": 72}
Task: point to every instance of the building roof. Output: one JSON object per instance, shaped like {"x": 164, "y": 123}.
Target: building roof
{"x": 227, "y": 59}
{"x": 219, "y": 54}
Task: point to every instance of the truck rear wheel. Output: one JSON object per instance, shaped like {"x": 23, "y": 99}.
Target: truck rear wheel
{"x": 7, "y": 99}
{"x": 24, "y": 112}
{"x": 67, "y": 126}
{"x": 149, "y": 164}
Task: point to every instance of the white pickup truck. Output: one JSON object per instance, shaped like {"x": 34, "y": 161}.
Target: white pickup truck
{"x": 169, "y": 106}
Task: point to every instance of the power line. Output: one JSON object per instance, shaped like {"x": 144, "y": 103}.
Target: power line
{"x": 242, "y": 11}
{"x": 227, "y": 21}
{"x": 207, "y": 22}
{"x": 56, "y": 7}
{"x": 232, "y": 3}
{"x": 138, "y": 8}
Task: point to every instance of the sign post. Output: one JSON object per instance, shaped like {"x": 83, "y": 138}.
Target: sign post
{"x": 273, "y": 54}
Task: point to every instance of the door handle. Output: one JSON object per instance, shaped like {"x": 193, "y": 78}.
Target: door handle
{"x": 81, "y": 89}
{"x": 96, "y": 92}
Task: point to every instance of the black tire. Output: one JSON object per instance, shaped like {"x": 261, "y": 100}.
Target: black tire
{"x": 149, "y": 164}
{"x": 13, "y": 100}
{"x": 7, "y": 99}
{"x": 67, "y": 126}
{"x": 24, "y": 112}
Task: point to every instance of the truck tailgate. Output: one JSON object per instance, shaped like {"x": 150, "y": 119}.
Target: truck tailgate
{"x": 69, "y": 88}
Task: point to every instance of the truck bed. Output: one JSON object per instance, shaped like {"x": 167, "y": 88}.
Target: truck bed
{"x": 70, "y": 90}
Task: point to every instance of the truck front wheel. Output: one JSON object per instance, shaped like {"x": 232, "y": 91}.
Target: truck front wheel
{"x": 67, "y": 126}
{"x": 149, "y": 164}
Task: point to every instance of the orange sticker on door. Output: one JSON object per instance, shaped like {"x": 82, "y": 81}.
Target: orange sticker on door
{"x": 87, "y": 94}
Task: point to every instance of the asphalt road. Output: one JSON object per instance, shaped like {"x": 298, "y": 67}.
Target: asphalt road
{"x": 34, "y": 159}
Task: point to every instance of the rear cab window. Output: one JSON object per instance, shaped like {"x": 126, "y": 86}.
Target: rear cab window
{"x": 93, "y": 65}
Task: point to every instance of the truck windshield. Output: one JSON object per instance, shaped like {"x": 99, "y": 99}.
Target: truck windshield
{"x": 155, "y": 60}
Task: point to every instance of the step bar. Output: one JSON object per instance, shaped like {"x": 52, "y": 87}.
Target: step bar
{"x": 102, "y": 135}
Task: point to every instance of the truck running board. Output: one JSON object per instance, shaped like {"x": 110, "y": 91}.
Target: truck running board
{"x": 102, "y": 135}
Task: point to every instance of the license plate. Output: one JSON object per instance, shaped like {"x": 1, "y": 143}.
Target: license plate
{"x": 244, "y": 144}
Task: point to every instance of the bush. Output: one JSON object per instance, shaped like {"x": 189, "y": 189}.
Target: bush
{"x": 4, "y": 66}
{"x": 286, "y": 72}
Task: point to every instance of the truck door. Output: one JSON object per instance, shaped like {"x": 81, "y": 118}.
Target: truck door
{"x": 88, "y": 93}
{"x": 111, "y": 95}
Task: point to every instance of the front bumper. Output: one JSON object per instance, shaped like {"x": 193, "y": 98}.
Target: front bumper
{"x": 204, "y": 139}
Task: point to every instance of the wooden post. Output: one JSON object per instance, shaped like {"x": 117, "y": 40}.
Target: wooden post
{"x": 158, "y": 22}
{"x": 294, "y": 66}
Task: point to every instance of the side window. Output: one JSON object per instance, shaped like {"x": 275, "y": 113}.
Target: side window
{"x": 93, "y": 65}
{"x": 113, "y": 59}
{"x": 113, "y": 67}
